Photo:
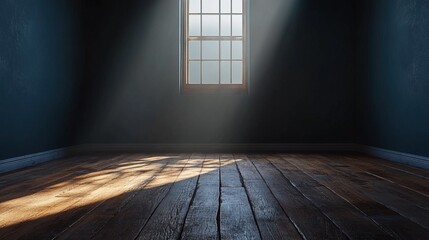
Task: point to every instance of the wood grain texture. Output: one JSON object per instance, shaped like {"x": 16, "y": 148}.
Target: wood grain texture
{"x": 309, "y": 220}
{"x": 236, "y": 217}
{"x": 400, "y": 199}
{"x": 392, "y": 222}
{"x": 341, "y": 212}
{"x": 229, "y": 173}
{"x": 73, "y": 199}
{"x": 237, "y": 220}
{"x": 129, "y": 219}
{"x": 171, "y": 212}
{"x": 415, "y": 183}
{"x": 272, "y": 220}
{"x": 201, "y": 221}
{"x": 101, "y": 219}
{"x": 215, "y": 196}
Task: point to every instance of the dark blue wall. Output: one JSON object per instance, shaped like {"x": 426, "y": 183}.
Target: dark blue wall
{"x": 38, "y": 75}
{"x": 302, "y": 55}
{"x": 305, "y": 79}
{"x": 393, "y": 74}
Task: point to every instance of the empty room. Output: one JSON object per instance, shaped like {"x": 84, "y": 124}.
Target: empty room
{"x": 214, "y": 119}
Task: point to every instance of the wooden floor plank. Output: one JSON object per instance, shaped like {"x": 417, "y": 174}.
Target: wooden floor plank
{"x": 48, "y": 175}
{"x": 41, "y": 170}
{"x": 401, "y": 200}
{"x": 39, "y": 204}
{"x": 129, "y": 219}
{"x": 237, "y": 220}
{"x": 171, "y": 212}
{"x": 236, "y": 217}
{"x": 246, "y": 168}
{"x": 201, "y": 220}
{"x": 44, "y": 168}
{"x": 272, "y": 220}
{"x": 214, "y": 196}
{"x": 230, "y": 176}
{"x": 404, "y": 168}
{"x": 341, "y": 212}
{"x": 92, "y": 223}
{"x": 76, "y": 201}
{"x": 412, "y": 182}
{"x": 387, "y": 219}
{"x": 308, "y": 219}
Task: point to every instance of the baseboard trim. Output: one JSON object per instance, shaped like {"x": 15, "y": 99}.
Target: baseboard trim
{"x": 11, "y": 164}
{"x": 394, "y": 156}
{"x": 400, "y": 157}
{"x": 16, "y": 163}
{"x": 274, "y": 147}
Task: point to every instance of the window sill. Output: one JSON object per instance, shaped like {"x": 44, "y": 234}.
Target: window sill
{"x": 206, "y": 89}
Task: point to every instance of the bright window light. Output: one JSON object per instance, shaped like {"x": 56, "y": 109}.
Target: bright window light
{"x": 214, "y": 33}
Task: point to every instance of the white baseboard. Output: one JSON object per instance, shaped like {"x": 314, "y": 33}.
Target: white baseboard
{"x": 394, "y": 156}
{"x": 15, "y": 163}
{"x": 250, "y": 147}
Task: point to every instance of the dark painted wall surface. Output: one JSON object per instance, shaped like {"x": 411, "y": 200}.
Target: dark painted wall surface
{"x": 302, "y": 77}
{"x": 38, "y": 73}
{"x": 393, "y": 67}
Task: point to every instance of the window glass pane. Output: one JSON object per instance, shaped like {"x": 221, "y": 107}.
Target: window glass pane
{"x": 237, "y": 72}
{"x": 225, "y": 72}
{"x": 225, "y": 25}
{"x": 237, "y": 25}
{"x": 210, "y": 49}
{"x": 194, "y": 72}
{"x": 225, "y": 50}
{"x": 237, "y": 50}
{"x": 210, "y": 25}
{"x": 194, "y": 50}
{"x": 225, "y": 6}
{"x": 210, "y": 6}
{"x": 194, "y": 6}
{"x": 210, "y": 72}
{"x": 215, "y": 48}
{"x": 194, "y": 25}
{"x": 237, "y": 6}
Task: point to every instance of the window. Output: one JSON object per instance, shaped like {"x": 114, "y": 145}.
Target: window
{"x": 214, "y": 39}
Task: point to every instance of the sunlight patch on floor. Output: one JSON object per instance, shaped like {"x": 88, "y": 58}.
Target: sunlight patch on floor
{"x": 93, "y": 188}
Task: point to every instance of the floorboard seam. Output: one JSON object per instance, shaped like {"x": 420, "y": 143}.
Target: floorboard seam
{"x": 293, "y": 223}
{"x": 112, "y": 160}
{"x": 78, "y": 220}
{"x": 219, "y": 200}
{"x": 192, "y": 198}
{"x": 388, "y": 163}
{"x": 154, "y": 210}
{"x": 396, "y": 183}
{"x": 128, "y": 199}
{"x": 363, "y": 213}
{"x": 387, "y": 206}
{"x": 247, "y": 196}
{"x": 312, "y": 202}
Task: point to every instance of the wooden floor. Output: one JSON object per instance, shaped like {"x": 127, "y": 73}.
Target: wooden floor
{"x": 212, "y": 196}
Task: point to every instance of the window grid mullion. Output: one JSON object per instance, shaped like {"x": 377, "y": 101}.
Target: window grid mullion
{"x": 220, "y": 33}
{"x": 214, "y": 38}
{"x": 201, "y": 42}
{"x": 188, "y": 65}
{"x": 226, "y": 14}
{"x": 213, "y": 60}
{"x": 230, "y": 49}
{"x": 218, "y": 38}
{"x": 243, "y": 32}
